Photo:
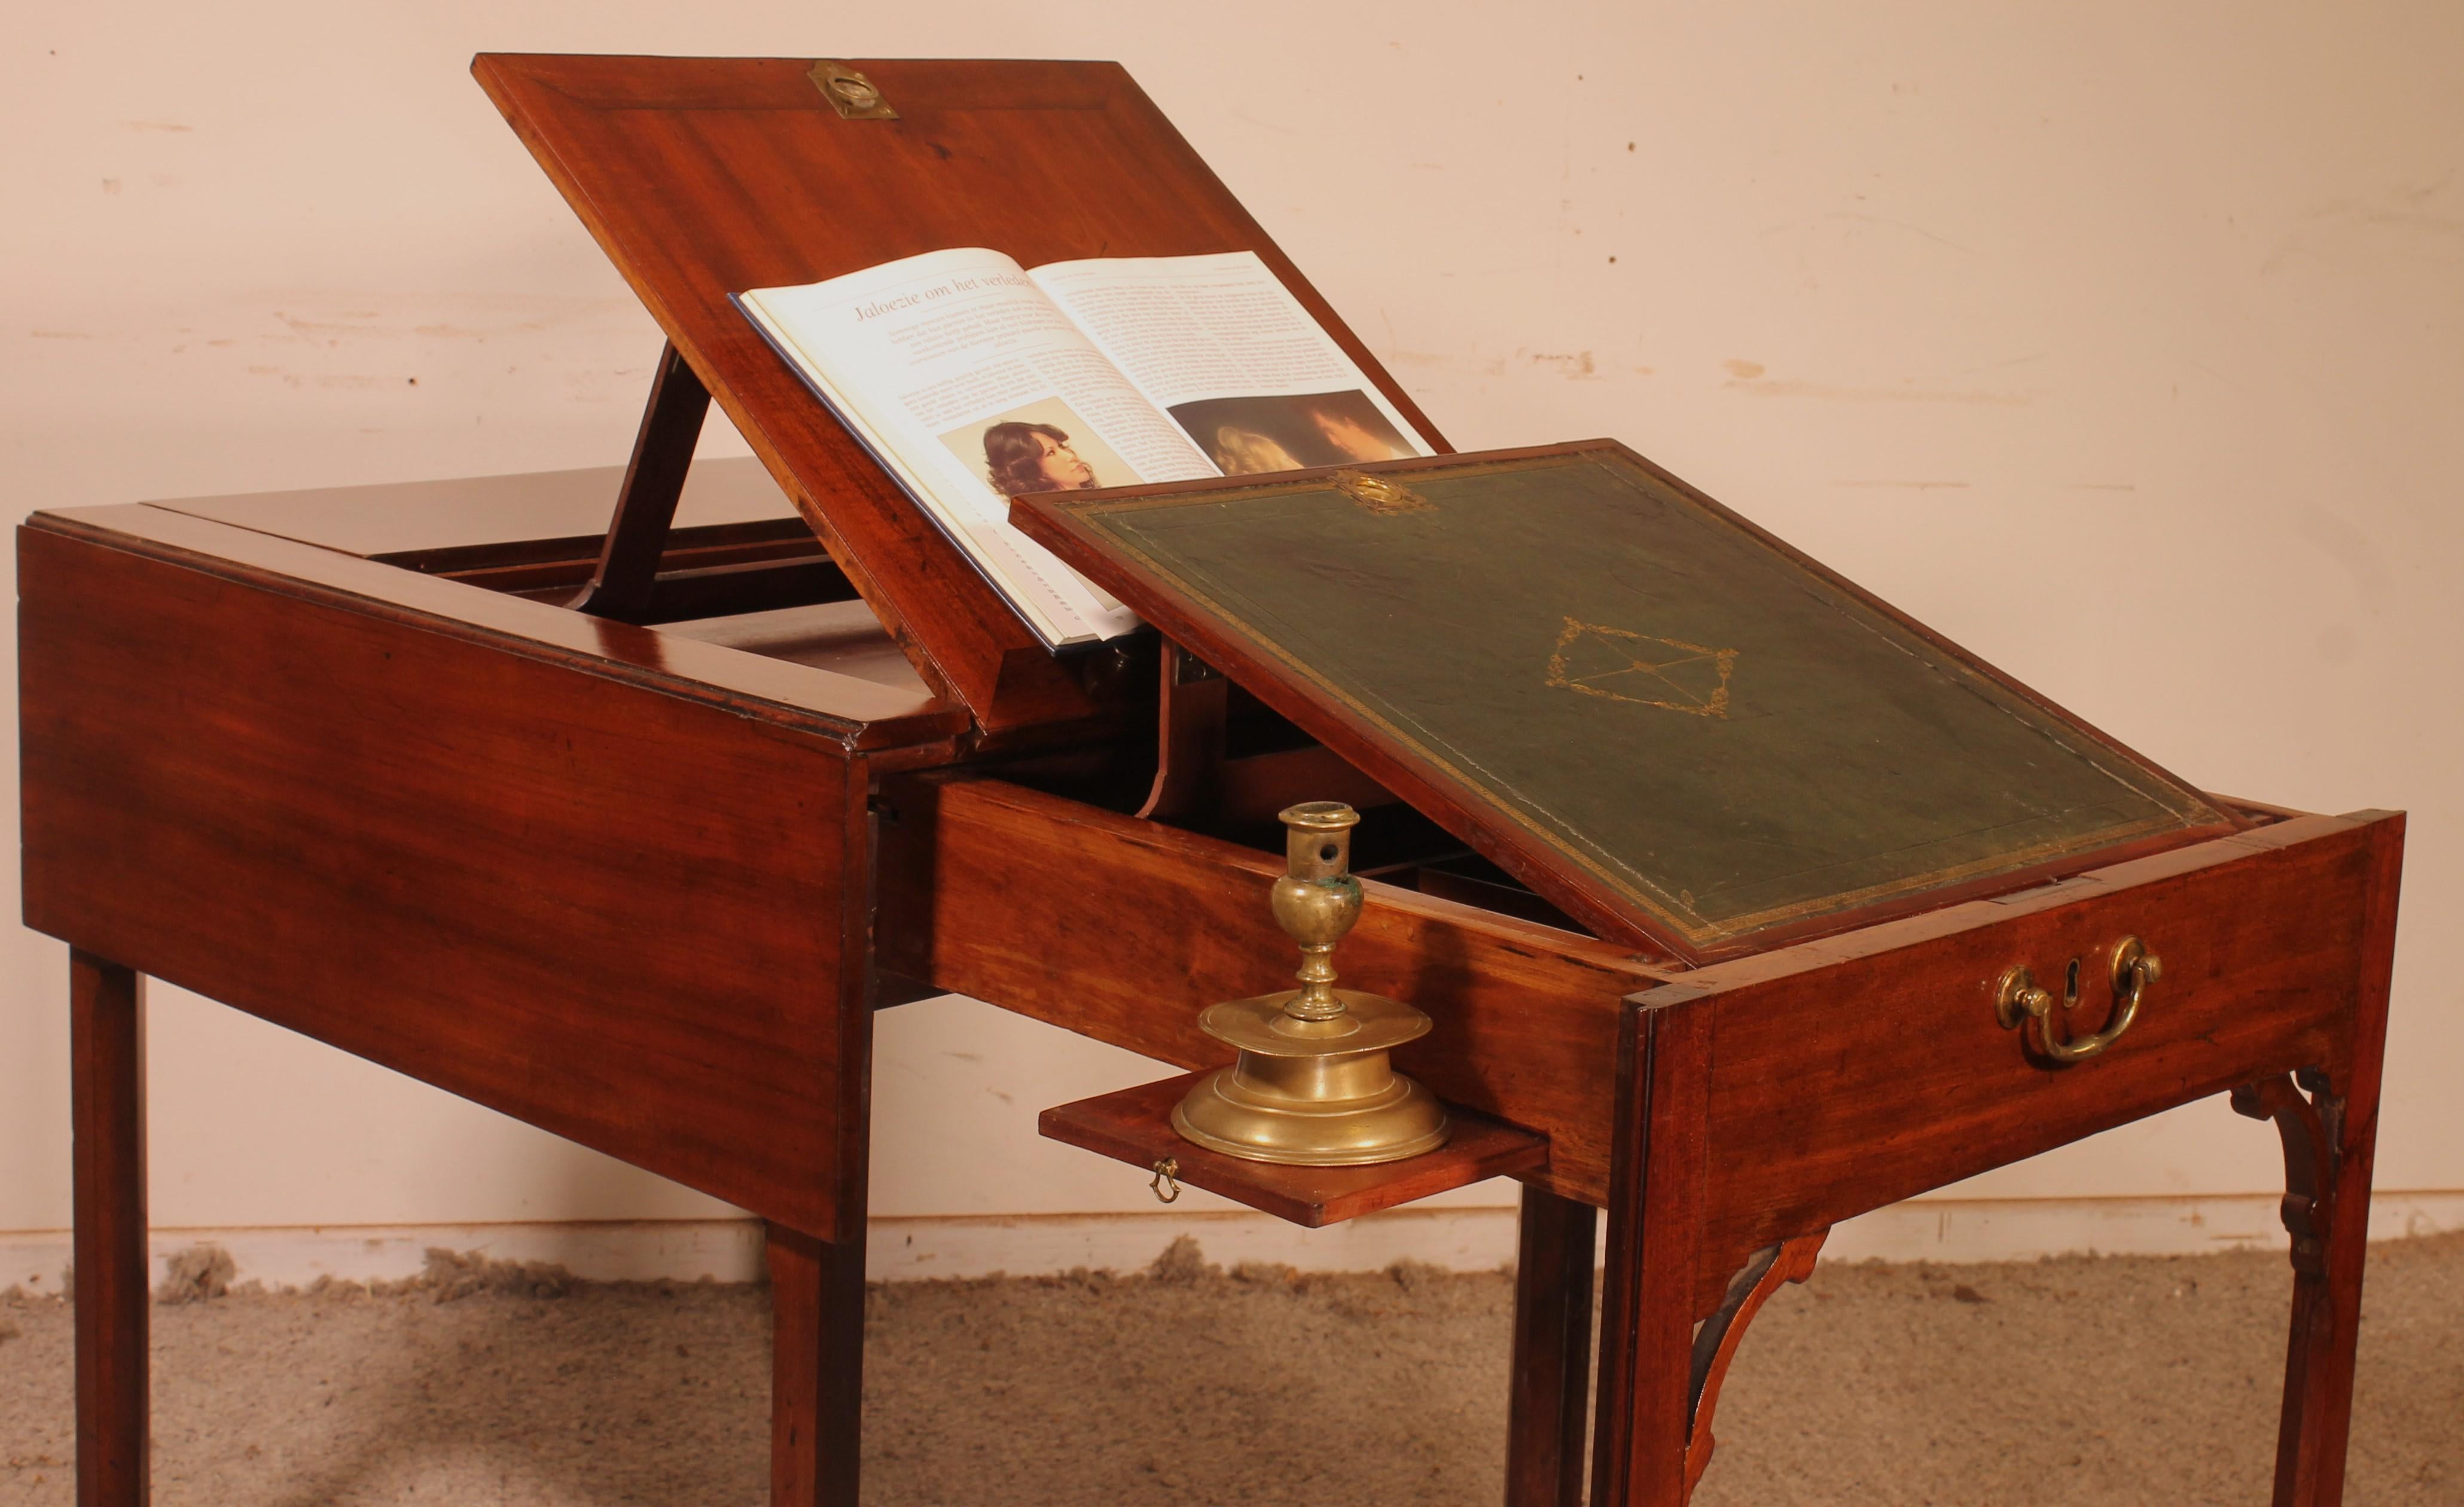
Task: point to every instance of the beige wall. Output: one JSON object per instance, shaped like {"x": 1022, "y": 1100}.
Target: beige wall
{"x": 2122, "y": 342}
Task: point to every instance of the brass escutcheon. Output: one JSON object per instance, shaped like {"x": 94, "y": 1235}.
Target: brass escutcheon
{"x": 1379, "y": 495}
{"x": 850, "y": 93}
{"x": 2020, "y": 1005}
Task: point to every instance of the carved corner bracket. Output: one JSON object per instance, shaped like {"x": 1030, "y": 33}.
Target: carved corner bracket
{"x": 2311, "y": 1126}
{"x": 1716, "y": 1340}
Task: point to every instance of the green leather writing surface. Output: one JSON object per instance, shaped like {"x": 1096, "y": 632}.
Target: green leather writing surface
{"x": 1641, "y": 704}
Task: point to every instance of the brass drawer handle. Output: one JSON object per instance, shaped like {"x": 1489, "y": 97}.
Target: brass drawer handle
{"x": 2020, "y": 1005}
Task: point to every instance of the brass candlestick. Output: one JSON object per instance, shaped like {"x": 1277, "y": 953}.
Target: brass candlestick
{"x": 1313, "y": 1086}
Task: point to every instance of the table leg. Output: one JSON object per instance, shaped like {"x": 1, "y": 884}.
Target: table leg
{"x": 2317, "y": 1420}
{"x": 1656, "y": 1195}
{"x": 1547, "y": 1411}
{"x": 2326, "y": 1207}
{"x": 2329, "y": 1128}
{"x": 107, "y": 1106}
{"x": 816, "y": 1369}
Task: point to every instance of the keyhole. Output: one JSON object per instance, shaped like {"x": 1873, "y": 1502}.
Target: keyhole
{"x": 2070, "y": 985}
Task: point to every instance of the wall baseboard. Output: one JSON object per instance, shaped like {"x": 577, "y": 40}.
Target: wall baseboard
{"x": 1459, "y": 1239}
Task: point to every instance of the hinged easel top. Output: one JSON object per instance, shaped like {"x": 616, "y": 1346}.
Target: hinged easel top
{"x": 1681, "y": 731}
{"x": 704, "y": 177}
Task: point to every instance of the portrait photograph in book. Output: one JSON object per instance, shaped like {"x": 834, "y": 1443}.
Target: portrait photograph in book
{"x": 1043, "y": 445}
{"x": 1248, "y": 436}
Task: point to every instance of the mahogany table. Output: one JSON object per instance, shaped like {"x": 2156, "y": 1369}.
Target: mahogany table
{"x": 626, "y": 827}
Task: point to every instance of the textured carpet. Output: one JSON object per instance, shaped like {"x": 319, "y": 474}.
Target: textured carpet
{"x": 2114, "y": 1381}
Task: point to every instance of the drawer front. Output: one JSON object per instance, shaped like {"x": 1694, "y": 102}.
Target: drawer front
{"x": 1852, "y": 1073}
{"x": 1123, "y": 930}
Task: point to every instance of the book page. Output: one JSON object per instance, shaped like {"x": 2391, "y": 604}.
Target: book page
{"x": 1219, "y": 344}
{"x": 966, "y": 383}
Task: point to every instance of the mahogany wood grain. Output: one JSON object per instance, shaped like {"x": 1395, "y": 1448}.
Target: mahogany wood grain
{"x": 631, "y": 917}
{"x": 107, "y": 1104}
{"x": 1195, "y": 782}
{"x": 1547, "y": 1398}
{"x": 1655, "y": 1253}
{"x": 1124, "y": 930}
{"x": 1189, "y": 735}
{"x": 627, "y": 575}
{"x": 1855, "y": 1072}
{"x": 851, "y": 710}
{"x": 843, "y": 637}
{"x": 691, "y": 593}
{"x": 1134, "y": 1125}
{"x": 703, "y": 177}
{"x": 816, "y": 1368}
{"x": 1255, "y": 787}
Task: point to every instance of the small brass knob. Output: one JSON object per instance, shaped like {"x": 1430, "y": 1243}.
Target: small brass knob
{"x": 2016, "y": 997}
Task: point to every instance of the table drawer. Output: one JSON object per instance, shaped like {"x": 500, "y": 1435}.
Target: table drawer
{"x": 1123, "y": 930}
{"x": 1854, "y": 1072}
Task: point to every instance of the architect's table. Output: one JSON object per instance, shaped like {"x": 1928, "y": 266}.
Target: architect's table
{"x": 320, "y": 757}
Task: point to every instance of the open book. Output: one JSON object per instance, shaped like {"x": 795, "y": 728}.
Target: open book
{"x": 972, "y": 380}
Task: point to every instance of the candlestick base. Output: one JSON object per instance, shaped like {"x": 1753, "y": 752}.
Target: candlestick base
{"x": 1312, "y": 1093}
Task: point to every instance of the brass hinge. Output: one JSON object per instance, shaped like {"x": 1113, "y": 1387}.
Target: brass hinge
{"x": 850, "y": 93}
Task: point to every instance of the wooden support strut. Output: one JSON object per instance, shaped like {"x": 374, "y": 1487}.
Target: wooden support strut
{"x": 1190, "y": 711}
{"x": 637, "y": 581}
{"x": 1195, "y": 774}
{"x": 627, "y": 581}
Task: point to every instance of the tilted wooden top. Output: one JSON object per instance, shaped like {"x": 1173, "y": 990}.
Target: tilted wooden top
{"x": 1663, "y": 719}
{"x": 704, "y": 177}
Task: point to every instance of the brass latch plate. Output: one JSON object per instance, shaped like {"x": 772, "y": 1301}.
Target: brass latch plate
{"x": 850, "y": 93}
